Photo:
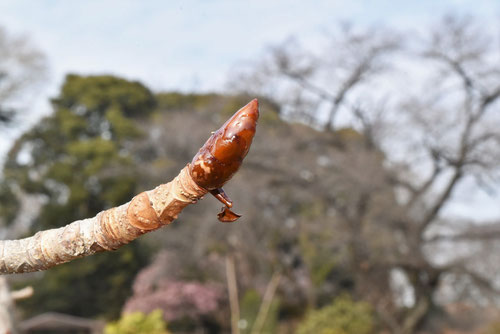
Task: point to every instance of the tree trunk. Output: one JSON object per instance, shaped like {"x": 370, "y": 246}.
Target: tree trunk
{"x": 415, "y": 316}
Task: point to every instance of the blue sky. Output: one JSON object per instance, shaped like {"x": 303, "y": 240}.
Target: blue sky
{"x": 192, "y": 45}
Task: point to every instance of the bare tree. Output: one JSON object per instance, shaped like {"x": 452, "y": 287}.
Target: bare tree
{"x": 306, "y": 80}
{"x": 390, "y": 191}
{"x": 22, "y": 67}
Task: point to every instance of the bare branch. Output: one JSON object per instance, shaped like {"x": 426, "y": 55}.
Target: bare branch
{"x": 457, "y": 67}
{"x": 22, "y": 293}
{"x": 364, "y": 66}
{"x": 426, "y": 185}
{"x": 232, "y": 288}
{"x": 313, "y": 88}
{"x": 442, "y": 199}
{"x": 266, "y": 303}
{"x": 361, "y": 55}
{"x": 488, "y": 99}
{"x": 107, "y": 231}
{"x": 212, "y": 166}
{"x": 472, "y": 233}
{"x": 478, "y": 280}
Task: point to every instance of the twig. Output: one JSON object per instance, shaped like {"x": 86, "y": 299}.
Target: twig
{"x": 109, "y": 230}
{"x": 232, "y": 289}
{"x": 266, "y": 303}
{"x": 215, "y": 163}
{"x": 23, "y": 293}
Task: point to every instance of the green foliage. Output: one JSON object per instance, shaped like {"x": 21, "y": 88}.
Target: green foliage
{"x": 319, "y": 260}
{"x": 138, "y": 323}
{"x": 79, "y": 160}
{"x": 82, "y": 161}
{"x": 343, "y": 316}
{"x": 99, "y": 93}
{"x": 315, "y": 245}
{"x": 121, "y": 125}
{"x": 78, "y": 154}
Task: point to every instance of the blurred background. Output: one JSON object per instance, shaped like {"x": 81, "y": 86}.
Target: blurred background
{"x": 370, "y": 197}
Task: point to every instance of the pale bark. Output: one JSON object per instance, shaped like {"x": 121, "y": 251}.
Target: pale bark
{"x": 107, "y": 231}
{"x": 24, "y": 293}
{"x": 7, "y": 320}
{"x": 7, "y": 307}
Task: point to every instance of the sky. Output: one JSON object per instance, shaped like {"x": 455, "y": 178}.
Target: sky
{"x": 193, "y": 45}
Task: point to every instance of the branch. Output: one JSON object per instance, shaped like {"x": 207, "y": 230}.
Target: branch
{"x": 266, "y": 303}
{"x": 394, "y": 180}
{"x": 306, "y": 84}
{"x": 458, "y": 173}
{"x": 24, "y": 293}
{"x": 422, "y": 189}
{"x": 107, "y": 231}
{"x": 215, "y": 163}
{"x": 473, "y": 233}
{"x": 441, "y": 201}
{"x": 232, "y": 287}
{"x": 481, "y": 282}
{"x": 487, "y": 100}
{"x": 364, "y": 52}
{"x": 456, "y": 66}
{"x": 416, "y": 314}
